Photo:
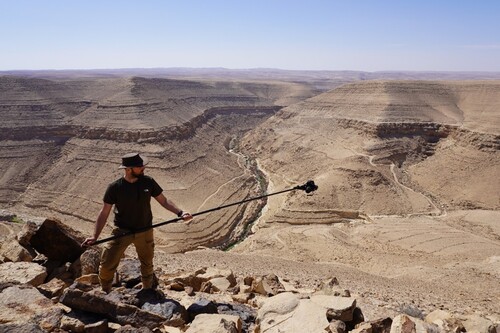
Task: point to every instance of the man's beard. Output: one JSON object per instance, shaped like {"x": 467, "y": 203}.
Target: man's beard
{"x": 138, "y": 175}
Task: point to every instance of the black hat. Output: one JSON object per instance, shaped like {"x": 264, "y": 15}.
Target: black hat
{"x": 133, "y": 160}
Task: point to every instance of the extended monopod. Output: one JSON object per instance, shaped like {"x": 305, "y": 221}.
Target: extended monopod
{"x": 308, "y": 187}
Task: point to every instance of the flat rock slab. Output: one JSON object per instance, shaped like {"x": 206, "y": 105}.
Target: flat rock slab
{"x": 19, "y": 304}
{"x": 23, "y": 273}
{"x": 122, "y": 313}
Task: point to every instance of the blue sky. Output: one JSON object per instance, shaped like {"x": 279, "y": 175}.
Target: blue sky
{"x": 369, "y": 35}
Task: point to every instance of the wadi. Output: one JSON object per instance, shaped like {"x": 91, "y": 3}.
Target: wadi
{"x": 404, "y": 225}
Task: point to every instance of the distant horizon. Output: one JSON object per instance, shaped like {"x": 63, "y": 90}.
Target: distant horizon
{"x": 320, "y": 35}
{"x": 244, "y": 69}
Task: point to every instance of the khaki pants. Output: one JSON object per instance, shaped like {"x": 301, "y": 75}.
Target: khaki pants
{"x": 113, "y": 252}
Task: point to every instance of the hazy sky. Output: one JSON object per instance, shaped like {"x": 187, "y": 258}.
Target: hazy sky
{"x": 370, "y": 35}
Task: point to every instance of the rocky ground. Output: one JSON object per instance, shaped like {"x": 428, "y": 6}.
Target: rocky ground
{"x": 48, "y": 283}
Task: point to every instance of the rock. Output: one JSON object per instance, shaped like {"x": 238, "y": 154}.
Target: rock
{"x": 478, "y": 324}
{"x": 286, "y": 312}
{"x": 268, "y": 285}
{"x": 129, "y": 271}
{"x": 22, "y": 272}
{"x": 329, "y": 286}
{"x": 51, "y": 319}
{"x": 437, "y": 315}
{"x": 173, "y": 312}
{"x": 21, "y": 304}
{"x": 191, "y": 280}
{"x": 89, "y": 279}
{"x": 177, "y": 286}
{"x": 90, "y": 260}
{"x": 381, "y": 325}
{"x": 53, "y": 288}
{"x": 242, "y": 298}
{"x": 28, "y": 327}
{"x": 124, "y": 314}
{"x": 445, "y": 321}
{"x": 113, "y": 327}
{"x": 72, "y": 324}
{"x": 375, "y": 326}
{"x": 215, "y": 323}
{"x": 189, "y": 291}
{"x": 362, "y": 328}
{"x": 280, "y": 304}
{"x": 245, "y": 313}
{"x": 213, "y": 273}
{"x": 220, "y": 284}
{"x": 57, "y": 241}
{"x": 132, "y": 329}
{"x": 28, "y": 230}
{"x": 206, "y": 287}
{"x": 339, "y": 308}
{"x": 11, "y": 250}
{"x": 248, "y": 280}
{"x": 97, "y": 327}
{"x": 405, "y": 324}
{"x": 201, "y": 306}
{"x": 336, "y": 326}
{"x": 171, "y": 329}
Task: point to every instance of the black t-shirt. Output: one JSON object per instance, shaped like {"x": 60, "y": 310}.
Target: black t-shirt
{"x": 132, "y": 202}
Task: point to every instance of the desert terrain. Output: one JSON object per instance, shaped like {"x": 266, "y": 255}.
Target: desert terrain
{"x": 408, "y": 206}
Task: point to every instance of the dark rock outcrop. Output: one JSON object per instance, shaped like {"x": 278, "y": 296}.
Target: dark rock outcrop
{"x": 57, "y": 241}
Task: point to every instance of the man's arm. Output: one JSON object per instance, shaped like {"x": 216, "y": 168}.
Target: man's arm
{"x": 99, "y": 225}
{"x": 169, "y": 205}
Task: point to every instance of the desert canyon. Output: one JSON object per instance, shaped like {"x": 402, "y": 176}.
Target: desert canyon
{"x": 407, "y": 211}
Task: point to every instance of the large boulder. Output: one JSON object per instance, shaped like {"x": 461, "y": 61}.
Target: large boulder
{"x": 57, "y": 241}
{"x": 287, "y": 312}
{"x": 22, "y": 272}
{"x": 158, "y": 312}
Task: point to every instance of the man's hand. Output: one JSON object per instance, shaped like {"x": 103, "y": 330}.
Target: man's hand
{"x": 89, "y": 241}
{"x": 186, "y": 217}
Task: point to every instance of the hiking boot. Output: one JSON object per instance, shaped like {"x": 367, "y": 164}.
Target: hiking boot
{"x": 106, "y": 287}
{"x": 149, "y": 282}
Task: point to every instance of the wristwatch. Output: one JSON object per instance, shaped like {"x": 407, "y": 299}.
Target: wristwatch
{"x": 180, "y": 213}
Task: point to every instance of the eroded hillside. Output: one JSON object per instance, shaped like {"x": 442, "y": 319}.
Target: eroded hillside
{"x": 62, "y": 142}
{"x": 408, "y": 176}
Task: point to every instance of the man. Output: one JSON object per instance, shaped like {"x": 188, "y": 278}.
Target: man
{"x": 131, "y": 196}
